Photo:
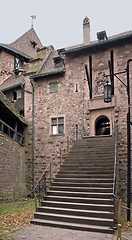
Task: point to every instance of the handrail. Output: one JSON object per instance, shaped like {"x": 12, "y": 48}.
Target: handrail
{"x": 48, "y": 166}
{"x": 80, "y": 131}
{"x": 41, "y": 186}
{"x": 43, "y": 180}
{"x": 114, "y": 178}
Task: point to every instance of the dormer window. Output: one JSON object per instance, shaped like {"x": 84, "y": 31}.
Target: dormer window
{"x": 33, "y": 43}
{"x": 57, "y": 62}
{"x": 18, "y": 64}
{"x": 16, "y": 95}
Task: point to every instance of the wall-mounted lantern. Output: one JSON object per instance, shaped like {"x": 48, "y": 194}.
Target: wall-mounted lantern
{"x": 107, "y": 92}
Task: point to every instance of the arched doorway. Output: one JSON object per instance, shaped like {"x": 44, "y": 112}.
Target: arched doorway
{"x": 102, "y": 126}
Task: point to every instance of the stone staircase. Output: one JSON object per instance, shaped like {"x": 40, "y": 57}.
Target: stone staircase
{"x": 80, "y": 197}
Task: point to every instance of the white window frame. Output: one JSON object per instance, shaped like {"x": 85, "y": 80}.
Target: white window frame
{"x": 55, "y": 126}
{"x": 19, "y": 94}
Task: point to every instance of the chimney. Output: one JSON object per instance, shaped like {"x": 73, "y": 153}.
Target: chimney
{"x": 102, "y": 36}
{"x": 86, "y": 31}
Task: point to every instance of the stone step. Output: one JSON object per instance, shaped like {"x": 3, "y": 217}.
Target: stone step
{"x": 81, "y": 189}
{"x": 88, "y": 162}
{"x": 87, "y": 171}
{"x": 86, "y": 165}
{"x": 75, "y": 226}
{"x": 91, "y": 154}
{"x": 86, "y": 144}
{"x": 88, "y": 159}
{"x": 89, "y": 175}
{"x": 74, "y": 199}
{"x": 75, "y": 205}
{"x": 76, "y": 212}
{"x": 94, "y": 143}
{"x": 98, "y": 138}
{"x": 80, "y": 194}
{"x": 93, "y": 179}
{"x": 90, "y": 149}
{"x": 74, "y": 219}
{"x": 83, "y": 185}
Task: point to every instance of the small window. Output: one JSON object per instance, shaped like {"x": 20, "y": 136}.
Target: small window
{"x": 17, "y": 94}
{"x": 76, "y": 87}
{"x": 57, "y": 62}
{"x": 33, "y": 43}
{"x": 53, "y": 87}
{"x": 57, "y": 125}
{"x": 14, "y": 95}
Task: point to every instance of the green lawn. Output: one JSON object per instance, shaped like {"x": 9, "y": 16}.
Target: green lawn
{"x": 15, "y": 215}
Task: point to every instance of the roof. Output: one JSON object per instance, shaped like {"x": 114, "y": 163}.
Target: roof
{"x": 113, "y": 40}
{"x": 48, "y": 66}
{"x": 14, "y": 51}
{"x": 12, "y": 81}
{"x": 25, "y": 43}
{"x": 11, "y": 108}
{"x": 36, "y": 64}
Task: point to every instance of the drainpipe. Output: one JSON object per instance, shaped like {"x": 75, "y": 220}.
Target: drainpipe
{"x": 32, "y": 133}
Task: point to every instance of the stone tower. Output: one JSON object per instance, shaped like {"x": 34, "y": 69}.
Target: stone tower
{"x": 86, "y": 31}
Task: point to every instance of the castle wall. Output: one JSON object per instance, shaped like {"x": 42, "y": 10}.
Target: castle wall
{"x": 72, "y": 102}
{"x": 13, "y": 169}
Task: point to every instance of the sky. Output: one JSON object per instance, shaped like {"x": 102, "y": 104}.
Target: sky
{"x": 59, "y": 22}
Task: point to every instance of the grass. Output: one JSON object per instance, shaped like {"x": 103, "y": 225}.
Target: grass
{"x": 15, "y": 215}
{"x": 126, "y": 226}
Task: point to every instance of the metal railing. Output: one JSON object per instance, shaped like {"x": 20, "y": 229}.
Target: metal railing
{"x": 80, "y": 131}
{"x": 115, "y": 163}
{"x": 40, "y": 189}
{"x": 52, "y": 168}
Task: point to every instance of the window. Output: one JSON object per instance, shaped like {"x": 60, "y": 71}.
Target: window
{"x": 33, "y": 43}
{"x": 14, "y": 96}
{"x": 17, "y": 94}
{"x": 57, "y": 125}
{"x": 57, "y": 62}
{"x": 53, "y": 87}
{"x": 76, "y": 87}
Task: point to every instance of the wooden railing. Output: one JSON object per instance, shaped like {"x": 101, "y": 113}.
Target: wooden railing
{"x": 12, "y": 133}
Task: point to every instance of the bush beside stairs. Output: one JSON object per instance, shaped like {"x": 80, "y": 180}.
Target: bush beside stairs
{"x": 80, "y": 196}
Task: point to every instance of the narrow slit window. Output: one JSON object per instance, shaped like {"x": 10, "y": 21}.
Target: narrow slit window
{"x": 76, "y": 87}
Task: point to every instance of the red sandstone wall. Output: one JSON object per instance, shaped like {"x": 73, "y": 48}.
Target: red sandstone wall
{"x": 77, "y": 108}
{"x": 12, "y": 169}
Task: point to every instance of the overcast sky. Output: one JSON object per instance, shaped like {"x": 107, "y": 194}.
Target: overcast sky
{"x": 59, "y": 22}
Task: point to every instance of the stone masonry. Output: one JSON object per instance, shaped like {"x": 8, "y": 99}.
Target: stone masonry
{"x": 72, "y": 102}
{"x": 12, "y": 169}
{"x": 64, "y": 69}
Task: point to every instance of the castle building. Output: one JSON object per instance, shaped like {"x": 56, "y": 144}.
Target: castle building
{"x": 63, "y": 92}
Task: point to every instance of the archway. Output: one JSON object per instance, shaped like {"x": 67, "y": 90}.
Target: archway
{"x": 102, "y": 126}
